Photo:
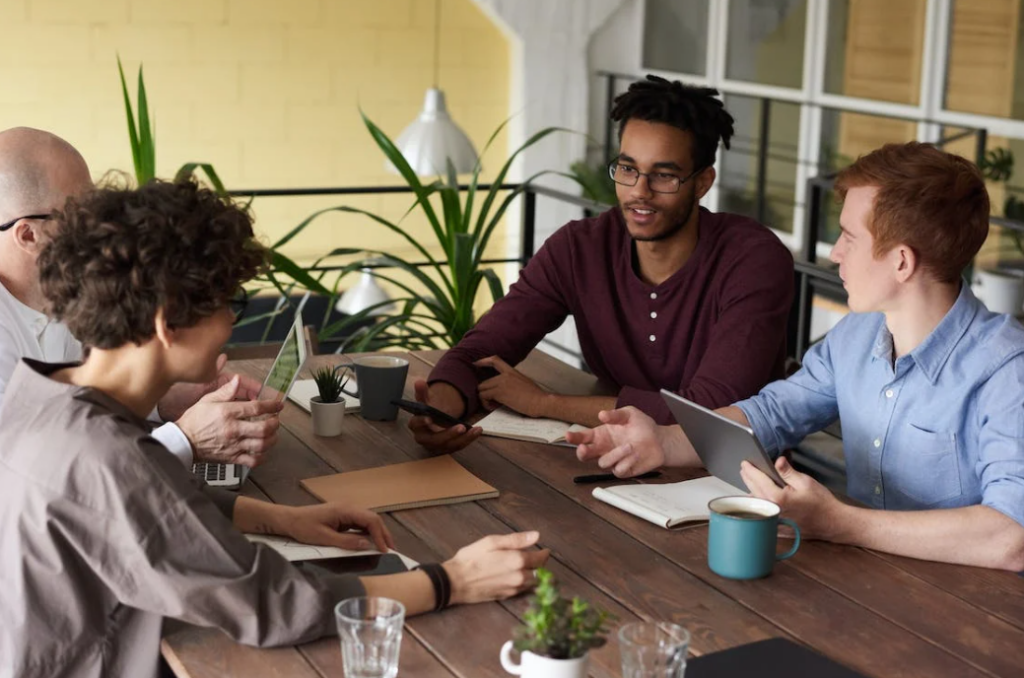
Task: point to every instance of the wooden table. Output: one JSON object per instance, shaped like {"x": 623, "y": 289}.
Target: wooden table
{"x": 878, "y": 614}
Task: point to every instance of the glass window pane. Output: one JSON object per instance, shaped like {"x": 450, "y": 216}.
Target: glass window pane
{"x": 766, "y": 41}
{"x": 676, "y": 36}
{"x": 875, "y": 49}
{"x": 738, "y": 168}
{"x": 986, "y": 58}
{"x": 1005, "y": 190}
{"x": 844, "y": 138}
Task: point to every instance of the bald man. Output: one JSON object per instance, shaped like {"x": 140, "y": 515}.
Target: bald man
{"x": 38, "y": 173}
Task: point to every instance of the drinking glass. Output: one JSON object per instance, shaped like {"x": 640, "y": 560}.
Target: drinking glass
{"x": 371, "y": 635}
{"x": 653, "y": 650}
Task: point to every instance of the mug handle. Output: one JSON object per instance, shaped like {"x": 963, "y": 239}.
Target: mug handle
{"x": 796, "y": 542}
{"x": 506, "y": 660}
{"x": 351, "y": 370}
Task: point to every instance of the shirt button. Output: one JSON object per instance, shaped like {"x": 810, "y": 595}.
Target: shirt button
{"x": 877, "y": 442}
{"x": 654, "y": 314}
{"x": 878, "y": 489}
{"x": 654, "y": 295}
{"x": 888, "y": 394}
{"x": 652, "y": 337}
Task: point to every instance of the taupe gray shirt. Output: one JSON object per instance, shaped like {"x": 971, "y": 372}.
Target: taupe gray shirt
{"x": 102, "y": 533}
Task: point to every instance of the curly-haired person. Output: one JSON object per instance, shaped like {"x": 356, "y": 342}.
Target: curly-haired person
{"x": 38, "y": 173}
{"x": 664, "y": 293}
{"x": 102, "y": 533}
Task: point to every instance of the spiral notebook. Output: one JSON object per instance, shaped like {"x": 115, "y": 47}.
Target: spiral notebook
{"x": 413, "y": 484}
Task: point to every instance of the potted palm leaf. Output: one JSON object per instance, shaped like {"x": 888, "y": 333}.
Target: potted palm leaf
{"x": 556, "y": 634}
{"x": 328, "y": 407}
{"x": 436, "y": 306}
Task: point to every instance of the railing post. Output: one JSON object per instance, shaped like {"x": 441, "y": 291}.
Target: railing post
{"x": 526, "y": 238}
{"x": 608, "y": 125}
{"x": 979, "y": 148}
{"x": 762, "y": 161}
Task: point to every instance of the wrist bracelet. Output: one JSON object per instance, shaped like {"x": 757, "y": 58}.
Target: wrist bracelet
{"x": 442, "y": 584}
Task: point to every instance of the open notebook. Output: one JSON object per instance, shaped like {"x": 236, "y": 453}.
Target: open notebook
{"x": 668, "y": 504}
{"x": 304, "y": 389}
{"x": 294, "y": 551}
{"x": 504, "y": 423}
{"x": 414, "y": 484}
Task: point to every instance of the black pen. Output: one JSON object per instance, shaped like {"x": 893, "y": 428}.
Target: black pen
{"x": 608, "y": 477}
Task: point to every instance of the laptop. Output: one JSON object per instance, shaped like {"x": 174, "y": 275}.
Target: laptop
{"x": 719, "y": 442}
{"x": 773, "y": 658}
{"x": 289, "y": 361}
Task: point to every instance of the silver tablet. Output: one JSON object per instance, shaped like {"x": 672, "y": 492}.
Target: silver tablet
{"x": 719, "y": 442}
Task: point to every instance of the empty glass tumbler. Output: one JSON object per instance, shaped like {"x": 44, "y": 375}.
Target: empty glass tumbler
{"x": 370, "y": 630}
{"x": 653, "y": 650}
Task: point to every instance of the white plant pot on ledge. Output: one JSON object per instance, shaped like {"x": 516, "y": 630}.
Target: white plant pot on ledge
{"x": 535, "y": 666}
{"x": 327, "y": 417}
{"x": 1002, "y": 290}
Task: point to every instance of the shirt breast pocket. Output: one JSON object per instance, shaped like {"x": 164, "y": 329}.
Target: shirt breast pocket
{"x": 929, "y": 467}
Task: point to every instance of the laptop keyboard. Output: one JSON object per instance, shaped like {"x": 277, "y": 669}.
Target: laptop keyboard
{"x": 210, "y": 471}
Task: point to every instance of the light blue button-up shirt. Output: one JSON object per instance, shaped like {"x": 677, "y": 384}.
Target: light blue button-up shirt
{"x": 942, "y": 428}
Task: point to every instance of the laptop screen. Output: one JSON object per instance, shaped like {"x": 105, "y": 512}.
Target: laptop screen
{"x": 287, "y": 365}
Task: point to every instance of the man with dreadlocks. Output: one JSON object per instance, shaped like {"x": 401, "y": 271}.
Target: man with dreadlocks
{"x": 664, "y": 293}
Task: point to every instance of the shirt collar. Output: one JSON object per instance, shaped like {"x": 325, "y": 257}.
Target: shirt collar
{"x": 931, "y": 355}
{"x": 28, "y": 316}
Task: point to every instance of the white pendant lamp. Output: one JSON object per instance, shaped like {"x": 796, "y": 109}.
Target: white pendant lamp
{"x": 433, "y": 138}
{"x": 364, "y": 294}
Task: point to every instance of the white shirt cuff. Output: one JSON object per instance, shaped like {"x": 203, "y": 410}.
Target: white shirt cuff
{"x": 176, "y": 442}
{"x": 155, "y": 417}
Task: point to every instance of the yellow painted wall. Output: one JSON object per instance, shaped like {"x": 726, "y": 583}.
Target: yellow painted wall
{"x": 267, "y": 90}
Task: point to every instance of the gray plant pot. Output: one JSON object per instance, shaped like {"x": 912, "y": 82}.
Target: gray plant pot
{"x": 327, "y": 417}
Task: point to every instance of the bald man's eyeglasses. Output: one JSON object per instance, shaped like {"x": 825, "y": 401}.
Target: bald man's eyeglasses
{"x": 12, "y": 222}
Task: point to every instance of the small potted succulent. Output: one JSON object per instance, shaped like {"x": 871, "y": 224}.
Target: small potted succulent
{"x": 556, "y": 634}
{"x": 328, "y": 408}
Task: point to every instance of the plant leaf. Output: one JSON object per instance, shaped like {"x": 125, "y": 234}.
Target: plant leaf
{"x": 147, "y": 144}
{"x": 133, "y": 136}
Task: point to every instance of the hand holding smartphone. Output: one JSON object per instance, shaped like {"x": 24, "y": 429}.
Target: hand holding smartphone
{"x": 423, "y": 410}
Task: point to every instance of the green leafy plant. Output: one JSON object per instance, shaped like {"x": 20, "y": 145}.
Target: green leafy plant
{"x": 557, "y": 627}
{"x": 595, "y": 181}
{"x": 440, "y": 312}
{"x": 329, "y": 382}
{"x": 142, "y": 137}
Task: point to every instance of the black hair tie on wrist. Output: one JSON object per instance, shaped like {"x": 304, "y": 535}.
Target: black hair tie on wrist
{"x": 442, "y": 584}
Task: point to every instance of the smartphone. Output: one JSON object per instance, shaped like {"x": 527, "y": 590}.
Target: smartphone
{"x": 417, "y": 408}
{"x": 384, "y": 563}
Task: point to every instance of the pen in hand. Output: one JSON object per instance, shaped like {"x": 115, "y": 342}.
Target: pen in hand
{"x": 609, "y": 477}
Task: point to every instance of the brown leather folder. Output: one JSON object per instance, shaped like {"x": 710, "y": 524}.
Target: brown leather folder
{"x": 414, "y": 484}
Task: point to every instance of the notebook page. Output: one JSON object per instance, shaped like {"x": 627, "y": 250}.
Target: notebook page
{"x": 504, "y": 422}
{"x": 304, "y": 389}
{"x": 675, "y": 502}
{"x": 294, "y": 551}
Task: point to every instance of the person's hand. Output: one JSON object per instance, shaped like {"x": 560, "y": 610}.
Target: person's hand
{"x": 495, "y": 567}
{"x": 218, "y": 429}
{"x": 433, "y": 436}
{"x": 804, "y": 500}
{"x": 328, "y": 525}
{"x": 510, "y": 388}
{"x": 182, "y": 396}
{"x": 628, "y": 442}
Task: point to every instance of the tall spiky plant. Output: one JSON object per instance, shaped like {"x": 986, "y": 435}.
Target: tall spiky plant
{"x": 441, "y": 311}
{"x": 142, "y": 137}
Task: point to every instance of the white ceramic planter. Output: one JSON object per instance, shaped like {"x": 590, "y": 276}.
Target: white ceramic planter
{"x": 535, "y": 666}
{"x": 1001, "y": 291}
{"x": 327, "y": 417}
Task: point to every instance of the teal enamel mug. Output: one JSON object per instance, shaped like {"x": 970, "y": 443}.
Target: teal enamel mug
{"x": 742, "y": 537}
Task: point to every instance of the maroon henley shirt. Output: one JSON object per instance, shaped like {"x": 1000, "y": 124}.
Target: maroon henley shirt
{"x": 714, "y": 332}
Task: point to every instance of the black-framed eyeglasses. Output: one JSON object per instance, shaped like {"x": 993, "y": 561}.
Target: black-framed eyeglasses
{"x": 238, "y": 304}
{"x": 12, "y": 222}
{"x": 659, "y": 182}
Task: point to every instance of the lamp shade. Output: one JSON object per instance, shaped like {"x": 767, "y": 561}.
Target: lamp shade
{"x": 433, "y": 138}
{"x": 364, "y": 294}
